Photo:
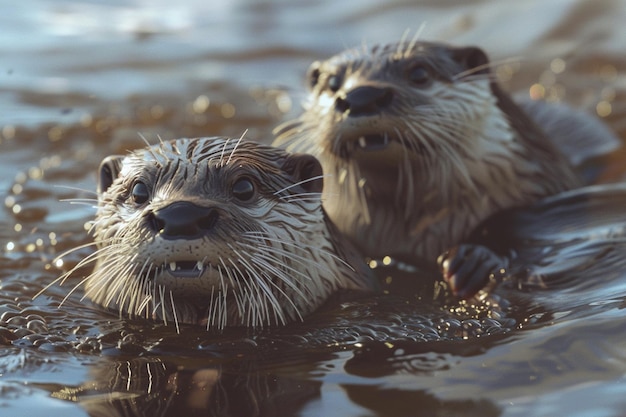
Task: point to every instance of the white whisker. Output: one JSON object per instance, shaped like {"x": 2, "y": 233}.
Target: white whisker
{"x": 301, "y": 182}
{"x": 174, "y": 312}
{"x": 236, "y": 146}
{"x": 487, "y": 65}
{"x": 72, "y": 188}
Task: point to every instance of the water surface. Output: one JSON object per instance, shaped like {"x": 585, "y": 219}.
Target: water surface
{"x": 81, "y": 80}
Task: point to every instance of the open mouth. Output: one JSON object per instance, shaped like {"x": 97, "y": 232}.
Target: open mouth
{"x": 373, "y": 142}
{"x": 186, "y": 269}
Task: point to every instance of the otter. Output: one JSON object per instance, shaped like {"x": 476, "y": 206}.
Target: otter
{"x": 218, "y": 232}
{"x": 420, "y": 146}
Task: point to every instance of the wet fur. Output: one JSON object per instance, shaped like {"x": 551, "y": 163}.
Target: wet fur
{"x": 459, "y": 149}
{"x": 271, "y": 260}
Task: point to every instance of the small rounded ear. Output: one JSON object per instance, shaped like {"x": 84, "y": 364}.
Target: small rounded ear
{"x": 305, "y": 170}
{"x": 109, "y": 169}
{"x": 472, "y": 59}
{"x": 313, "y": 74}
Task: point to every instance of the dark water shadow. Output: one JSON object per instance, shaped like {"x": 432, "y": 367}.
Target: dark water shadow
{"x": 270, "y": 379}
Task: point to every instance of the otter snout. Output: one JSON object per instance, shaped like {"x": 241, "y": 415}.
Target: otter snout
{"x": 183, "y": 220}
{"x": 365, "y": 100}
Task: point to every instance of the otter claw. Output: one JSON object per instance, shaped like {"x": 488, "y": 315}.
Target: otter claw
{"x": 469, "y": 268}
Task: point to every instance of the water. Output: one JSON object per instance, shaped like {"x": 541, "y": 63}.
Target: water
{"x": 80, "y": 80}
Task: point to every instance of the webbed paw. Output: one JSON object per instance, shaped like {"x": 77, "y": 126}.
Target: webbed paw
{"x": 469, "y": 268}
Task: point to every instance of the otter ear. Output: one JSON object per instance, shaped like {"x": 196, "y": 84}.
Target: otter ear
{"x": 109, "y": 169}
{"x": 306, "y": 170}
{"x": 313, "y": 74}
{"x": 472, "y": 58}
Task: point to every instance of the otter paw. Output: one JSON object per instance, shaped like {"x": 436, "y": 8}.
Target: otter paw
{"x": 469, "y": 268}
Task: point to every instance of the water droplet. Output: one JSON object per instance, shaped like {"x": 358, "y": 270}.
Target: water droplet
{"x": 9, "y": 201}
{"x": 228, "y": 110}
{"x": 604, "y": 108}
{"x": 537, "y": 91}
{"x": 283, "y": 102}
{"x": 55, "y": 134}
{"x": 35, "y": 173}
{"x": 8, "y": 132}
{"x": 201, "y": 104}
{"x": 557, "y": 65}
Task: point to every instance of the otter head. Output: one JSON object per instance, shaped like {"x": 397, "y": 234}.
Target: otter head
{"x": 215, "y": 231}
{"x": 419, "y": 145}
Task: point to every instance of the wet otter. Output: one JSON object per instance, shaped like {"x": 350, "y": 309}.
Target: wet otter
{"x": 217, "y": 232}
{"x": 420, "y": 146}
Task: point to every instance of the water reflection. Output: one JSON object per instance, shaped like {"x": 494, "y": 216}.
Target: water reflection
{"x": 265, "y": 382}
{"x": 154, "y": 387}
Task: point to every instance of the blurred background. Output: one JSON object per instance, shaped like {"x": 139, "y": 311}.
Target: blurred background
{"x": 64, "y": 59}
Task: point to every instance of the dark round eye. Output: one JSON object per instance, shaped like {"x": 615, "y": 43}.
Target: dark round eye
{"x": 140, "y": 193}
{"x": 334, "y": 83}
{"x": 243, "y": 189}
{"x": 419, "y": 76}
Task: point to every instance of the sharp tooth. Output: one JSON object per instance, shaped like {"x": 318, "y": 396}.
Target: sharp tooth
{"x": 362, "y": 142}
{"x": 200, "y": 266}
{"x": 173, "y": 266}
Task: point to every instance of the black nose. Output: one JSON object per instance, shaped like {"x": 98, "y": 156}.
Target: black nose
{"x": 183, "y": 220}
{"x": 365, "y": 101}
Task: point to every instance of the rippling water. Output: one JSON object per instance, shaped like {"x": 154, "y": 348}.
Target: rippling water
{"x": 80, "y": 80}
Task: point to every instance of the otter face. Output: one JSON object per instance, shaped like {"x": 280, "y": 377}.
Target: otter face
{"x": 394, "y": 99}
{"x": 213, "y": 231}
{"x": 415, "y": 143}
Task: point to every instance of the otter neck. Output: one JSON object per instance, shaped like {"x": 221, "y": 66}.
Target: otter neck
{"x": 438, "y": 202}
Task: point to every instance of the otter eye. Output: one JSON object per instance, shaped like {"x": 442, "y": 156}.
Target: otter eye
{"x": 243, "y": 189}
{"x": 140, "y": 193}
{"x": 419, "y": 76}
{"x": 334, "y": 83}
